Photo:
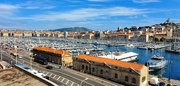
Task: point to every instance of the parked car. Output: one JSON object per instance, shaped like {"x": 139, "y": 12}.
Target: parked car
{"x": 161, "y": 84}
{"x": 169, "y": 84}
{"x": 19, "y": 56}
{"x": 49, "y": 67}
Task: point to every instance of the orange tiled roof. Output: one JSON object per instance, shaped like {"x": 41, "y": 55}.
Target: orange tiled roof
{"x": 51, "y": 50}
{"x": 111, "y": 61}
{"x": 160, "y": 34}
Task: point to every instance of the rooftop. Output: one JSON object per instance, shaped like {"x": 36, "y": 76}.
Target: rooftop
{"x": 51, "y": 50}
{"x": 111, "y": 61}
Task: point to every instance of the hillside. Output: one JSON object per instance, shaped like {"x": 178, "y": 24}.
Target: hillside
{"x": 73, "y": 29}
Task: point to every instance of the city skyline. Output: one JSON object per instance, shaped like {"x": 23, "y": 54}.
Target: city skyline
{"x": 92, "y": 14}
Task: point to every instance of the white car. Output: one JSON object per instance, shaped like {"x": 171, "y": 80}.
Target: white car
{"x": 20, "y": 56}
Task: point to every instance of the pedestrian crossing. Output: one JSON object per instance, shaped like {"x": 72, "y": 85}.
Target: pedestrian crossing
{"x": 60, "y": 78}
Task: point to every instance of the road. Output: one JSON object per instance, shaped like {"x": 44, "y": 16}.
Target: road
{"x": 60, "y": 76}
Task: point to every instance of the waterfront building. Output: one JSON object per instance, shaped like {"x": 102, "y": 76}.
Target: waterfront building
{"x": 176, "y": 35}
{"x": 65, "y": 34}
{"x": 27, "y": 34}
{"x": 17, "y": 34}
{"x": 129, "y": 74}
{"x": 4, "y": 33}
{"x": 88, "y": 35}
{"x": 60, "y": 57}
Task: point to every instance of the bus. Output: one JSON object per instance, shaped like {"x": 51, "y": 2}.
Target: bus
{"x": 40, "y": 59}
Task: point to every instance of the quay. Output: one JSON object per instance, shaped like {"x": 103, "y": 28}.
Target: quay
{"x": 166, "y": 80}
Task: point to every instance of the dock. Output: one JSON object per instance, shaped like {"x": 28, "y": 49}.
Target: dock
{"x": 166, "y": 80}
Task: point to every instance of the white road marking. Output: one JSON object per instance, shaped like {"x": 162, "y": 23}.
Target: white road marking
{"x": 58, "y": 77}
{"x": 62, "y": 80}
{"x": 72, "y": 83}
{"x": 50, "y": 74}
{"x": 54, "y": 76}
{"x": 47, "y": 73}
{"x": 67, "y": 81}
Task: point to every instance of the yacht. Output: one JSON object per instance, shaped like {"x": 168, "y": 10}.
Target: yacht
{"x": 156, "y": 62}
{"x": 127, "y": 57}
{"x": 142, "y": 47}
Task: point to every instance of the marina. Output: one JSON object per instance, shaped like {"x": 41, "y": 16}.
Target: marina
{"x": 171, "y": 71}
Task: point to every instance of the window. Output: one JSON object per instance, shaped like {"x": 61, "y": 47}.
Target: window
{"x": 93, "y": 69}
{"x": 86, "y": 67}
{"x": 82, "y": 66}
{"x": 126, "y": 78}
{"x": 116, "y": 75}
{"x": 133, "y": 80}
{"x": 101, "y": 72}
{"x": 143, "y": 78}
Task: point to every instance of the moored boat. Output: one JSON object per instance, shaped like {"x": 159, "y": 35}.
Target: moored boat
{"x": 156, "y": 62}
{"x": 127, "y": 57}
{"x": 142, "y": 47}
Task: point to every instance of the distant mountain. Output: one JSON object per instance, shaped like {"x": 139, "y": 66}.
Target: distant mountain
{"x": 73, "y": 29}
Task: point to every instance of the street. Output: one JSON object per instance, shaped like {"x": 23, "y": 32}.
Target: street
{"x": 61, "y": 77}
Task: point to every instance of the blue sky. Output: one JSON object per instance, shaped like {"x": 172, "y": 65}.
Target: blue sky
{"x": 93, "y": 14}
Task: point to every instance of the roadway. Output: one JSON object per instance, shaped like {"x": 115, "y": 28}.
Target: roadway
{"x": 67, "y": 77}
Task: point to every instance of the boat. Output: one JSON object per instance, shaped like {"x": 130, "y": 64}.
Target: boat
{"x": 130, "y": 45}
{"x": 173, "y": 51}
{"x": 157, "y": 62}
{"x": 127, "y": 57}
{"x": 142, "y": 47}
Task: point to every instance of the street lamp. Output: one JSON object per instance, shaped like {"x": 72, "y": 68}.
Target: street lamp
{"x": 16, "y": 53}
{"x": 83, "y": 81}
{"x": 1, "y": 54}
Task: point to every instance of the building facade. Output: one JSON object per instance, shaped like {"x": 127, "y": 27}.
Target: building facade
{"x": 129, "y": 74}
{"x": 60, "y": 57}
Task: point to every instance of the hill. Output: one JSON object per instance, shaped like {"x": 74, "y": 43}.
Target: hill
{"x": 73, "y": 29}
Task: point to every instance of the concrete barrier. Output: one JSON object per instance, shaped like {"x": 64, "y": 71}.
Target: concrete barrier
{"x": 2, "y": 66}
{"x": 44, "y": 80}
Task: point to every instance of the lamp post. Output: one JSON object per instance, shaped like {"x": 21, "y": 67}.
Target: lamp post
{"x": 1, "y": 54}
{"x": 83, "y": 81}
{"x": 30, "y": 59}
{"x": 16, "y": 53}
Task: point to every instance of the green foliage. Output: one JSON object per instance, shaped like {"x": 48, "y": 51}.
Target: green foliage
{"x": 162, "y": 39}
{"x": 156, "y": 39}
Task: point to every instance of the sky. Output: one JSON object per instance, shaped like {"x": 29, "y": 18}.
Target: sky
{"x": 92, "y": 14}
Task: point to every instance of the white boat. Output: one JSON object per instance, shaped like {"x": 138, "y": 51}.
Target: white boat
{"x": 142, "y": 47}
{"x": 130, "y": 45}
{"x": 156, "y": 62}
{"x": 127, "y": 57}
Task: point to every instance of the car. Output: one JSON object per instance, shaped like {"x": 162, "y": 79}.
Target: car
{"x": 20, "y": 56}
{"x": 49, "y": 67}
{"x": 161, "y": 84}
{"x": 169, "y": 84}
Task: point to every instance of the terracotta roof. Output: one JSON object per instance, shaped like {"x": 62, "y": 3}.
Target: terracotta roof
{"x": 51, "y": 50}
{"x": 111, "y": 61}
{"x": 160, "y": 34}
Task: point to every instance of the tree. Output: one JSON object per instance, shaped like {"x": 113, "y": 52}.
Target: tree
{"x": 156, "y": 39}
{"x": 162, "y": 39}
